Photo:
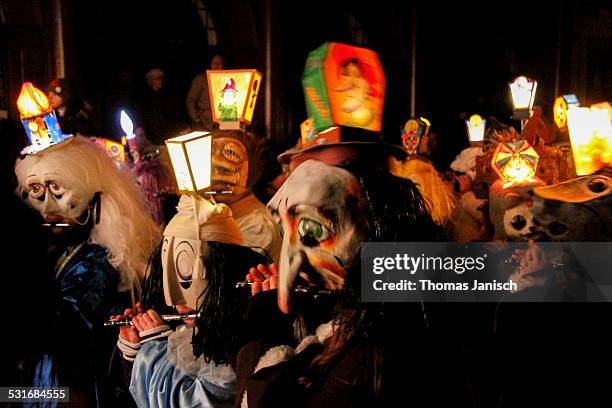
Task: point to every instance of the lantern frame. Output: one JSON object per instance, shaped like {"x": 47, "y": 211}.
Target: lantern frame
{"x": 184, "y": 159}
{"x": 245, "y": 104}
{"x": 522, "y": 105}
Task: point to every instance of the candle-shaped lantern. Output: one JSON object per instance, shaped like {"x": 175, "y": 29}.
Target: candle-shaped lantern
{"x": 38, "y": 118}
{"x": 476, "y": 128}
{"x": 515, "y": 162}
{"x": 191, "y": 159}
{"x": 590, "y": 133}
{"x": 233, "y": 94}
{"x": 128, "y": 128}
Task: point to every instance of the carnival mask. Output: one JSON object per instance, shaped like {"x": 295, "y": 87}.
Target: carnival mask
{"x": 230, "y": 168}
{"x": 576, "y": 210}
{"x": 319, "y": 212}
{"x": 185, "y": 247}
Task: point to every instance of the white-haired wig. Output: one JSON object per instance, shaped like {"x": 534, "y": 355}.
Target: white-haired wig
{"x": 125, "y": 229}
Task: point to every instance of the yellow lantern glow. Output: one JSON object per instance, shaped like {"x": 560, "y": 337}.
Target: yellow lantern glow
{"x": 113, "y": 149}
{"x": 562, "y": 104}
{"x": 590, "y": 133}
{"x": 190, "y": 155}
{"x": 522, "y": 91}
{"x": 233, "y": 94}
{"x": 38, "y": 118}
{"x": 515, "y": 162}
{"x": 476, "y": 127}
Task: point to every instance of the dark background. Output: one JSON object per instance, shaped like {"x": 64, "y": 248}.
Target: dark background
{"x": 466, "y": 53}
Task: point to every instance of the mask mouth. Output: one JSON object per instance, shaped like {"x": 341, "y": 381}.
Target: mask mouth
{"x": 57, "y": 221}
{"x": 538, "y": 236}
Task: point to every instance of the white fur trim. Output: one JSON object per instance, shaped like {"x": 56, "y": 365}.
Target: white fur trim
{"x": 274, "y": 356}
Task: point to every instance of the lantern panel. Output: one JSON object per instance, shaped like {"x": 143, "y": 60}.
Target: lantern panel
{"x": 190, "y": 155}
{"x": 523, "y": 92}
{"x": 476, "y": 127}
{"x": 38, "y": 118}
{"x": 233, "y": 94}
{"x": 590, "y": 134}
{"x": 344, "y": 85}
{"x": 515, "y": 162}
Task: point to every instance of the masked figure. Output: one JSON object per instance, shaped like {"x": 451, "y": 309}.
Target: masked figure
{"x": 325, "y": 212}
{"x": 202, "y": 259}
{"x": 233, "y": 176}
{"x": 576, "y": 210}
{"x": 101, "y": 240}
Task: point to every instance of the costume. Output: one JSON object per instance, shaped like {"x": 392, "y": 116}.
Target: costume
{"x": 235, "y": 170}
{"x": 329, "y": 349}
{"x": 95, "y": 213}
{"x": 202, "y": 259}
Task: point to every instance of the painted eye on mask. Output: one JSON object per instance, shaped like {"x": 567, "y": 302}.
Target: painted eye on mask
{"x": 56, "y": 189}
{"x": 312, "y": 232}
{"x": 36, "y": 190}
{"x": 231, "y": 152}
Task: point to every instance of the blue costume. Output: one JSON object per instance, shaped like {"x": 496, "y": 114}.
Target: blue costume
{"x": 167, "y": 374}
{"x": 77, "y": 349}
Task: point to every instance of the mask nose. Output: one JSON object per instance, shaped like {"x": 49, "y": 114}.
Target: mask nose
{"x": 50, "y": 206}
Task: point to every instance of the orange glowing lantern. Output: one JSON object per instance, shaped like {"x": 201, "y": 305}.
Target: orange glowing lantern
{"x": 38, "y": 118}
{"x": 113, "y": 149}
{"x": 590, "y": 133}
{"x": 515, "y": 162}
{"x": 233, "y": 94}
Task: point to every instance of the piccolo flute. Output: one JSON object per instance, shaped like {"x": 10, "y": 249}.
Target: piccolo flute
{"x": 298, "y": 289}
{"x": 166, "y": 318}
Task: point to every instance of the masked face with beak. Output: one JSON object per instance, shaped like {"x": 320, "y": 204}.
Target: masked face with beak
{"x": 319, "y": 212}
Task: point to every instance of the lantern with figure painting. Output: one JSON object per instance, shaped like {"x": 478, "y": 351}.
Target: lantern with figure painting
{"x": 233, "y": 94}
{"x": 590, "y": 134}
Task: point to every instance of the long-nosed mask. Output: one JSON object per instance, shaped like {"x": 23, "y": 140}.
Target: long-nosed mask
{"x": 319, "y": 211}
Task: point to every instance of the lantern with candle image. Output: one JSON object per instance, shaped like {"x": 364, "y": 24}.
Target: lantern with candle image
{"x": 191, "y": 159}
{"x": 476, "y": 127}
{"x": 129, "y": 139}
{"x": 515, "y": 162}
{"x": 38, "y": 118}
{"x": 522, "y": 92}
{"x": 233, "y": 94}
{"x": 561, "y": 106}
{"x": 590, "y": 134}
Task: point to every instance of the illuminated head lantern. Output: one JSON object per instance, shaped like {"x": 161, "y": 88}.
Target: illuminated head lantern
{"x": 38, "y": 118}
{"x": 233, "y": 94}
{"x": 414, "y": 135}
{"x": 185, "y": 247}
{"x": 515, "y": 162}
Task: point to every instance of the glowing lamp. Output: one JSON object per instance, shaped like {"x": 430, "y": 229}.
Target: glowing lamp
{"x": 128, "y": 128}
{"x": 522, "y": 91}
{"x": 233, "y": 94}
{"x": 344, "y": 86}
{"x": 590, "y": 134}
{"x": 190, "y": 155}
{"x": 515, "y": 162}
{"x": 476, "y": 127}
{"x": 113, "y": 149}
{"x": 38, "y": 118}
{"x": 562, "y": 104}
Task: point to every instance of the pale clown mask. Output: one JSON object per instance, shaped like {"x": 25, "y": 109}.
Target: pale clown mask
{"x": 319, "y": 210}
{"x": 185, "y": 248}
{"x": 230, "y": 168}
{"x": 54, "y": 190}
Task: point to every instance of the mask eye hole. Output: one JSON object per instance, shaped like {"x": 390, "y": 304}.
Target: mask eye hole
{"x": 556, "y": 228}
{"x": 232, "y": 153}
{"x": 36, "y": 190}
{"x": 598, "y": 185}
{"x": 183, "y": 260}
{"x": 518, "y": 222}
{"x": 312, "y": 232}
{"x": 55, "y": 188}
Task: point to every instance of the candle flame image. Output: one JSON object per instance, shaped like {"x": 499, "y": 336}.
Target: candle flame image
{"x": 32, "y": 101}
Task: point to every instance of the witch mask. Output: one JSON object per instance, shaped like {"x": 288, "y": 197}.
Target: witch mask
{"x": 319, "y": 212}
